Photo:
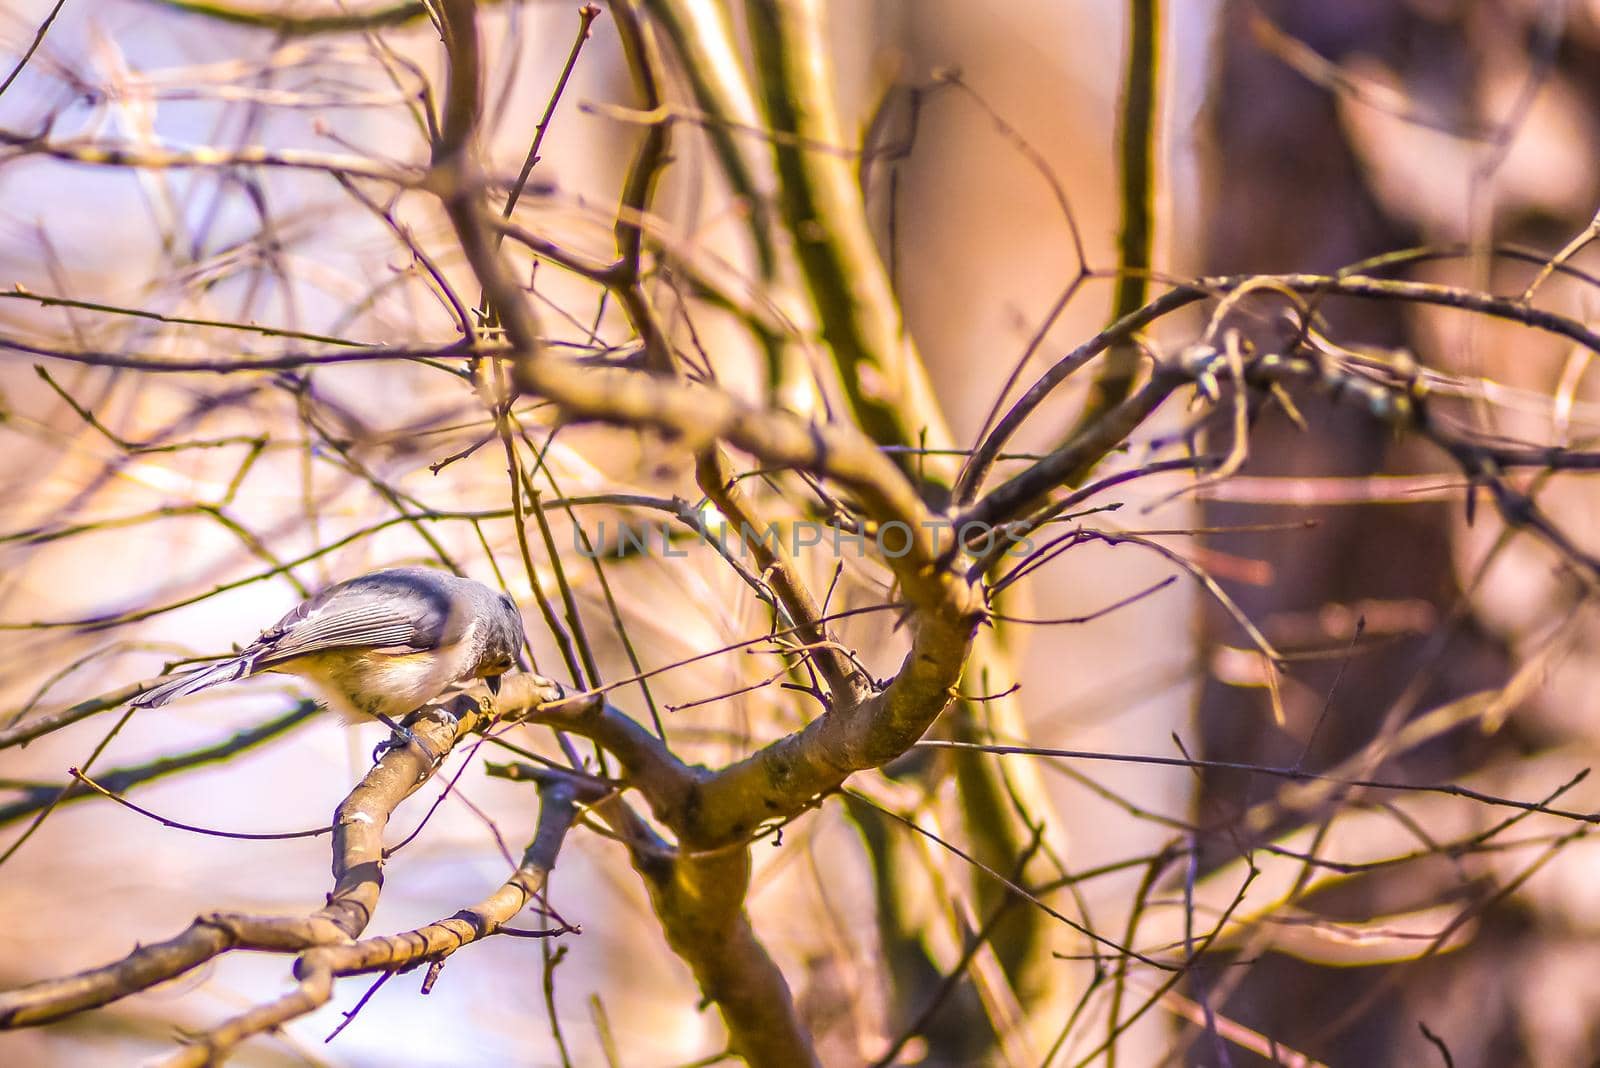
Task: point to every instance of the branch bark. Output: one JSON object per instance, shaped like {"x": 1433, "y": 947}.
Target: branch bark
{"x": 358, "y": 827}
{"x": 317, "y": 967}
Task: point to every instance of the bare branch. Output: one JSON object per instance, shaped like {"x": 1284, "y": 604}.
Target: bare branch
{"x": 358, "y": 827}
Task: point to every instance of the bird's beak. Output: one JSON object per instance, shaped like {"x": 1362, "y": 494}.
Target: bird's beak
{"x": 493, "y": 682}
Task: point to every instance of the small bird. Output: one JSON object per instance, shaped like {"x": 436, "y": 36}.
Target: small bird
{"x": 380, "y": 645}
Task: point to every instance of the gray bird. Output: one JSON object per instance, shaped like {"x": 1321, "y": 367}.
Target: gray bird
{"x": 381, "y": 645}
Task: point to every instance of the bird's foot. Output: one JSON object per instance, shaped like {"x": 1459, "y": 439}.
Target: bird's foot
{"x": 401, "y": 737}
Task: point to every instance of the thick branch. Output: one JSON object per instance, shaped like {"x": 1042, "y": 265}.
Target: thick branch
{"x": 782, "y": 779}
{"x": 700, "y": 905}
{"x": 1137, "y": 122}
{"x": 882, "y": 375}
{"x": 665, "y": 781}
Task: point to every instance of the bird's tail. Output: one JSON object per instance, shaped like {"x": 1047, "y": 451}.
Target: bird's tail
{"x": 203, "y": 679}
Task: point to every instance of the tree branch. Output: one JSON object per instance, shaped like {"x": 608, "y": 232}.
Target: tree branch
{"x": 317, "y": 967}
{"x": 882, "y": 375}
{"x": 358, "y": 828}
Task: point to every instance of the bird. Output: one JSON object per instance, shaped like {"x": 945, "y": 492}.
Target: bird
{"x": 380, "y": 645}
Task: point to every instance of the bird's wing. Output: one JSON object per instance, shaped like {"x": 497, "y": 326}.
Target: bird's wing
{"x": 393, "y": 615}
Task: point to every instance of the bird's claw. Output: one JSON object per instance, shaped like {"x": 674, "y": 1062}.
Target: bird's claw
{"x": 394, "y": 741}
{"x": 401, "y": 737}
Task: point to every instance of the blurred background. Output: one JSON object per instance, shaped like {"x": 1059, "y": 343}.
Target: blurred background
{"x": 152, "y": 517}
